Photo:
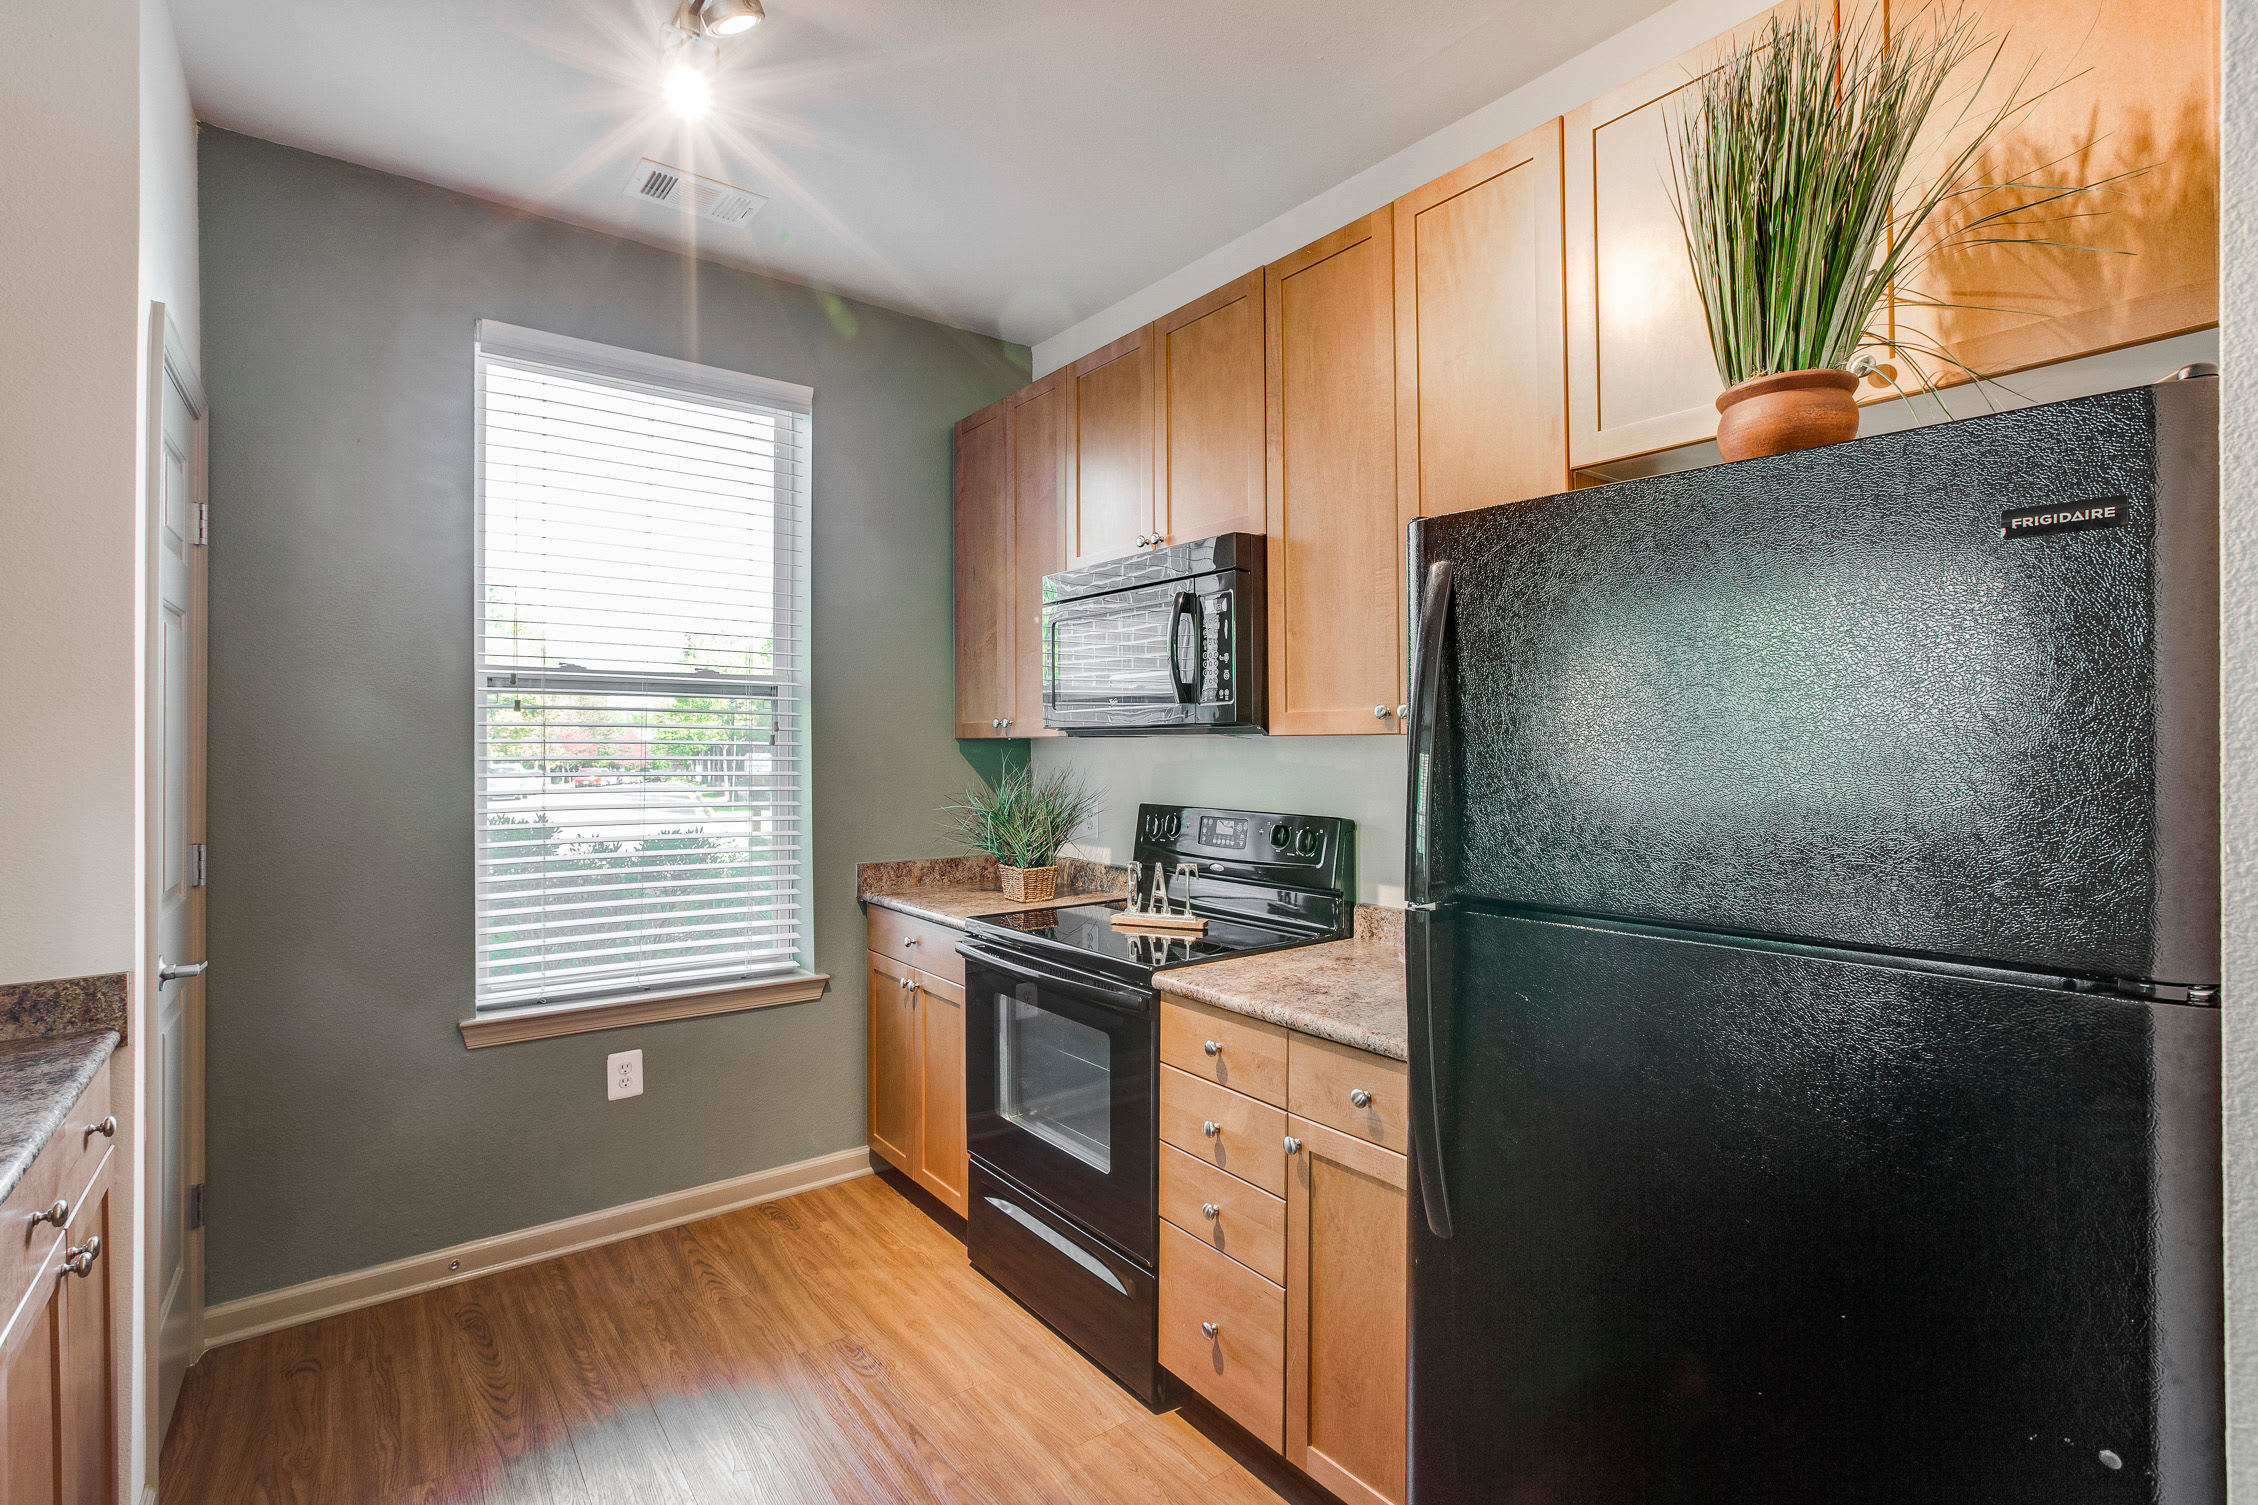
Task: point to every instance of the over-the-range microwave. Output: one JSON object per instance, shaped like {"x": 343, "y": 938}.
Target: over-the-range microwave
{"x": 1170, "y": 640}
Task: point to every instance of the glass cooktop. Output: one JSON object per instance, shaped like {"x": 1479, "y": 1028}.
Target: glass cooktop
{"x": 1089, "y": 928}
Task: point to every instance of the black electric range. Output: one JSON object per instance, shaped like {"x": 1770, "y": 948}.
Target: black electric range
{"x": 1062, "y": 1061}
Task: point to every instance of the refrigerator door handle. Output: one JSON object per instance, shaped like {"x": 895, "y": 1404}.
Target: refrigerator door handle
{"x": 1426, "y": 698}
{"x": 1428, "y": 1060}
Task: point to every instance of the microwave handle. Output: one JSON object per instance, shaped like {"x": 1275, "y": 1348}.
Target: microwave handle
{"x": 1187, "y": 687}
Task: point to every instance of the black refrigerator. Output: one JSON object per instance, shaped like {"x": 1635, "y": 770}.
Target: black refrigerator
{"x": 1813, "y": 963}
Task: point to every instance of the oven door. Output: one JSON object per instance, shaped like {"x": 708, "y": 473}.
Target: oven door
{"x": 1060, "y": 1091}
{"x": 1171, "y": 656}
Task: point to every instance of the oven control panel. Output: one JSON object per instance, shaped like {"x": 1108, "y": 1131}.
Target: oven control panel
{"x": 1307, "y": 851}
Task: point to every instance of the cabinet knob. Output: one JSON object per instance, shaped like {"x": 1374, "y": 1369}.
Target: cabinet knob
{"x": 1293, "y": 1145}
{"x": 107, "y": 1128}
{"x": 1213, "y": 1047}
{"x": 911, "y": 940}
{"x": 1381, "y": 713}
{"x": 1211, "y": 1128}
{"x": 81, "y": 1260}
{"x": 1210, "y": 1328}
{"x": 1402, "y": 711}
{"x": 1210, "y": 1211}
{"x": 59, "y": 1214}
{"x": 1359, "y": 1098}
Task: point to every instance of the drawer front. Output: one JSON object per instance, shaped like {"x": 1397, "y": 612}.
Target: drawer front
{"x": 1324, "y": 1080}
{"x": 1241, "y": 1369}
{"x": 1249, "y": 1224}
{"x": 62, "y": 1171}
{"x": 918, "y": 943}
{"x": 1249, "y": 1139}
{"x": 1247, "y": 1055}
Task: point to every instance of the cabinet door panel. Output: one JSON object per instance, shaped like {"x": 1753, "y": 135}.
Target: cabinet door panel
{"x": 1042, "y": 457}
{"x": 83, "y": 1341}
{"x": 1481, "y": 384}
{"x": 943, "y": 1167}
{"x": 1641, "y": 375}
{"x": 1210, "y": 456}
{"x": 1336, "y": 541}
{"x": 1346, "y": 1292}
{"x": 1113, "y": 449}
{"x": 2135, "y": 89}
{"x": 983, "y": 549}
{"x": 893, "y": 1050}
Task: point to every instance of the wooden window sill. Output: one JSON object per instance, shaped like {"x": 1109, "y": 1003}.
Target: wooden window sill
{"x": 507, "y": 1028}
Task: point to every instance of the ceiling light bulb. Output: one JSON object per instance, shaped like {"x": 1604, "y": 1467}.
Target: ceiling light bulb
{"x": 729, "y": 18}
{"x": 687, "y": 92}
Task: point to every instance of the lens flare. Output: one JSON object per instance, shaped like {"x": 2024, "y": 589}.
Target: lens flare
{"x": 688, "y": 94}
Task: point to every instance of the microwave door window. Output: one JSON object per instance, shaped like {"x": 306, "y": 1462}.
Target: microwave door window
{"x": 1117, "y": 657}
{"x": 1054, "y": 1079}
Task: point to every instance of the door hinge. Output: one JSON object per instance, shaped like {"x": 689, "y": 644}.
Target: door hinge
{"x": 196, "y": 865}
{"x": 203, "y": 523}
{"x": 196, "y": 1206}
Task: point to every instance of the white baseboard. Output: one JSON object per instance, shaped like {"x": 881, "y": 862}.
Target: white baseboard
{"x": 269, "y": 1311}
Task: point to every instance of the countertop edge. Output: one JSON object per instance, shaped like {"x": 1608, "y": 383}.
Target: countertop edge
{"x": 1185, "y": 982}
{"x": 25, "y": 1130}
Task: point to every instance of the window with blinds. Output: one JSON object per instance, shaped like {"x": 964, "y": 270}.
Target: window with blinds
{"x": 642, "y": 812}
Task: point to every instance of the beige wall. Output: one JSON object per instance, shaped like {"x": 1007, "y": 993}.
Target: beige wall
{"x": 69, "y": 331}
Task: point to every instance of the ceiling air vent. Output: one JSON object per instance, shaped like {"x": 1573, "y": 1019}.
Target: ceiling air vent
{"x": 720, "y": 202}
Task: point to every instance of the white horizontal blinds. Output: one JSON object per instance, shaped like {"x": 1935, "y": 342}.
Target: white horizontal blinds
{"x": 639, "y": 682}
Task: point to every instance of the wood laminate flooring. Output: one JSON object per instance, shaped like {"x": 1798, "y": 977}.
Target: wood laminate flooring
{"x": 833, "y": 1346}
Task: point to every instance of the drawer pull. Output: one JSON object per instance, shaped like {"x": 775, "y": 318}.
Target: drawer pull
{"x": 107, "y": 1128}
{"x": 1359, "y": 1098}
{"x": 1210, "y": 1128}
{"x": 1210, "y": 1211}
{"x": 59, "y": 1214}
{"x": 1210, "y": 1328}
{"x": 1213, "y": 1047}
{"x": 1293, "y": 1145}
{"x": 911, "y": 940}
{"x": 81, "y": 1261}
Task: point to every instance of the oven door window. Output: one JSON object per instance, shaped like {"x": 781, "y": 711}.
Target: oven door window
{"x": 1054, "y": 1079}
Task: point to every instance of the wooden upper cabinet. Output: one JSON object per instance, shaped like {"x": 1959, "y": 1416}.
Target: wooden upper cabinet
{"x": 2135, "y": 89}
{"x": 1641, "y": 375}
{"x": 1336, "y": 538}
{"x": 984, "y": 554}
{"x": 1481, "y": 389}
{"x": 1042, "y": 460}
{"x": 1113, "y": 450}
{"x": 1210, "y": 456}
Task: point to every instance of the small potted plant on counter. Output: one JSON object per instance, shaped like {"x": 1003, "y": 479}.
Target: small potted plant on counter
{"x": 1023, "y": 822}
{"x": 1815, "y": 171}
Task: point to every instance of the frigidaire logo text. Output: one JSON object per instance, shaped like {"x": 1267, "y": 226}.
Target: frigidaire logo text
{"x": 2063, "y": 517}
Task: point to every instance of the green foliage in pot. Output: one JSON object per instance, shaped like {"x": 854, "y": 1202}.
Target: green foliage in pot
{"x": 1023, "y": 820}
{"x": 1816, "y": 167}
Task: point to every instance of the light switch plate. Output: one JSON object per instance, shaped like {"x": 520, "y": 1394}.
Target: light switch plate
{"x": 623, "y": 1074}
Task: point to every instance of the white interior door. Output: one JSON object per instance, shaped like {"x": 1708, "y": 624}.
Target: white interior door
{"x": 174, "y": 1097}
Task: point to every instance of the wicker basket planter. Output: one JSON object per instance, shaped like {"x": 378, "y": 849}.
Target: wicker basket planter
{"x": 1029, "y": 885}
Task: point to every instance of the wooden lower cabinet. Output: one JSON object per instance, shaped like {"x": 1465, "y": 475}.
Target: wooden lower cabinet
{"x": 1287, "y": 1313}
{"x": 58, "y": 1433}
{"x": 915, "y": 1088}
{"x": 1346, "y": 1247}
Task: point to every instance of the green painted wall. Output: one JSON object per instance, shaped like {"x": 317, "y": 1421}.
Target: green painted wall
{"x": 347, "y": 1123}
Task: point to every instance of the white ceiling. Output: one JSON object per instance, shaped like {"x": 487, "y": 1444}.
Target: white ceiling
{"x": 1008, "y": 166}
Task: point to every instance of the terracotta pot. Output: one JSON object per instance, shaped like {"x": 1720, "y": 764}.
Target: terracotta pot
{"x": 1770, "y": 415}
{"x": 1029, "y": 885}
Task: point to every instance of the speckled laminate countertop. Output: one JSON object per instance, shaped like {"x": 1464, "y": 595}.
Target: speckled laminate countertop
{"x": 953, "y": 904}
{"x": 39, "y": 1080}
{"x": 1351, "y": 992}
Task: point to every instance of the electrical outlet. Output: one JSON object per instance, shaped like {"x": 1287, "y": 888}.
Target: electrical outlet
{"x": 623, "y": 1074}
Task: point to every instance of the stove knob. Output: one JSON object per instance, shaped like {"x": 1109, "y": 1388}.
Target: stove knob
{"x": 1175, "y": 826}
{"x": 1306, "y": 843}
{"x": 1280, "y": 835}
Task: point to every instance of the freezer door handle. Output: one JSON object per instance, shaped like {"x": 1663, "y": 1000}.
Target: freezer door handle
{"x": 1426, "y": 699}
{"x": 1429, "y": 1062}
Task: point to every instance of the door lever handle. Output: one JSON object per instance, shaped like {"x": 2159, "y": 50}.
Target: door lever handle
{"x": 166, "y": 972}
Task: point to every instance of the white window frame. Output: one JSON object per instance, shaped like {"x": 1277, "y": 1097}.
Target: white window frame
{"x": 495, "y": 1025}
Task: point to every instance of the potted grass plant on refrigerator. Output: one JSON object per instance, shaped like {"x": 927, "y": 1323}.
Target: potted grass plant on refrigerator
{"x": 1022, "y": 822}
{"x": 1816, "y": 172}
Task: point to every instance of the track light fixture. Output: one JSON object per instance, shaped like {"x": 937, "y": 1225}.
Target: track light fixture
{"x": 687, "y": 52}
{"x": 728, "y": 18}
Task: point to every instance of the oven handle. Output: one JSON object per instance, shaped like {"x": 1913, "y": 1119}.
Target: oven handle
{"x": 1120, "y": 1000}
{"x": 1187, "y": 688}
